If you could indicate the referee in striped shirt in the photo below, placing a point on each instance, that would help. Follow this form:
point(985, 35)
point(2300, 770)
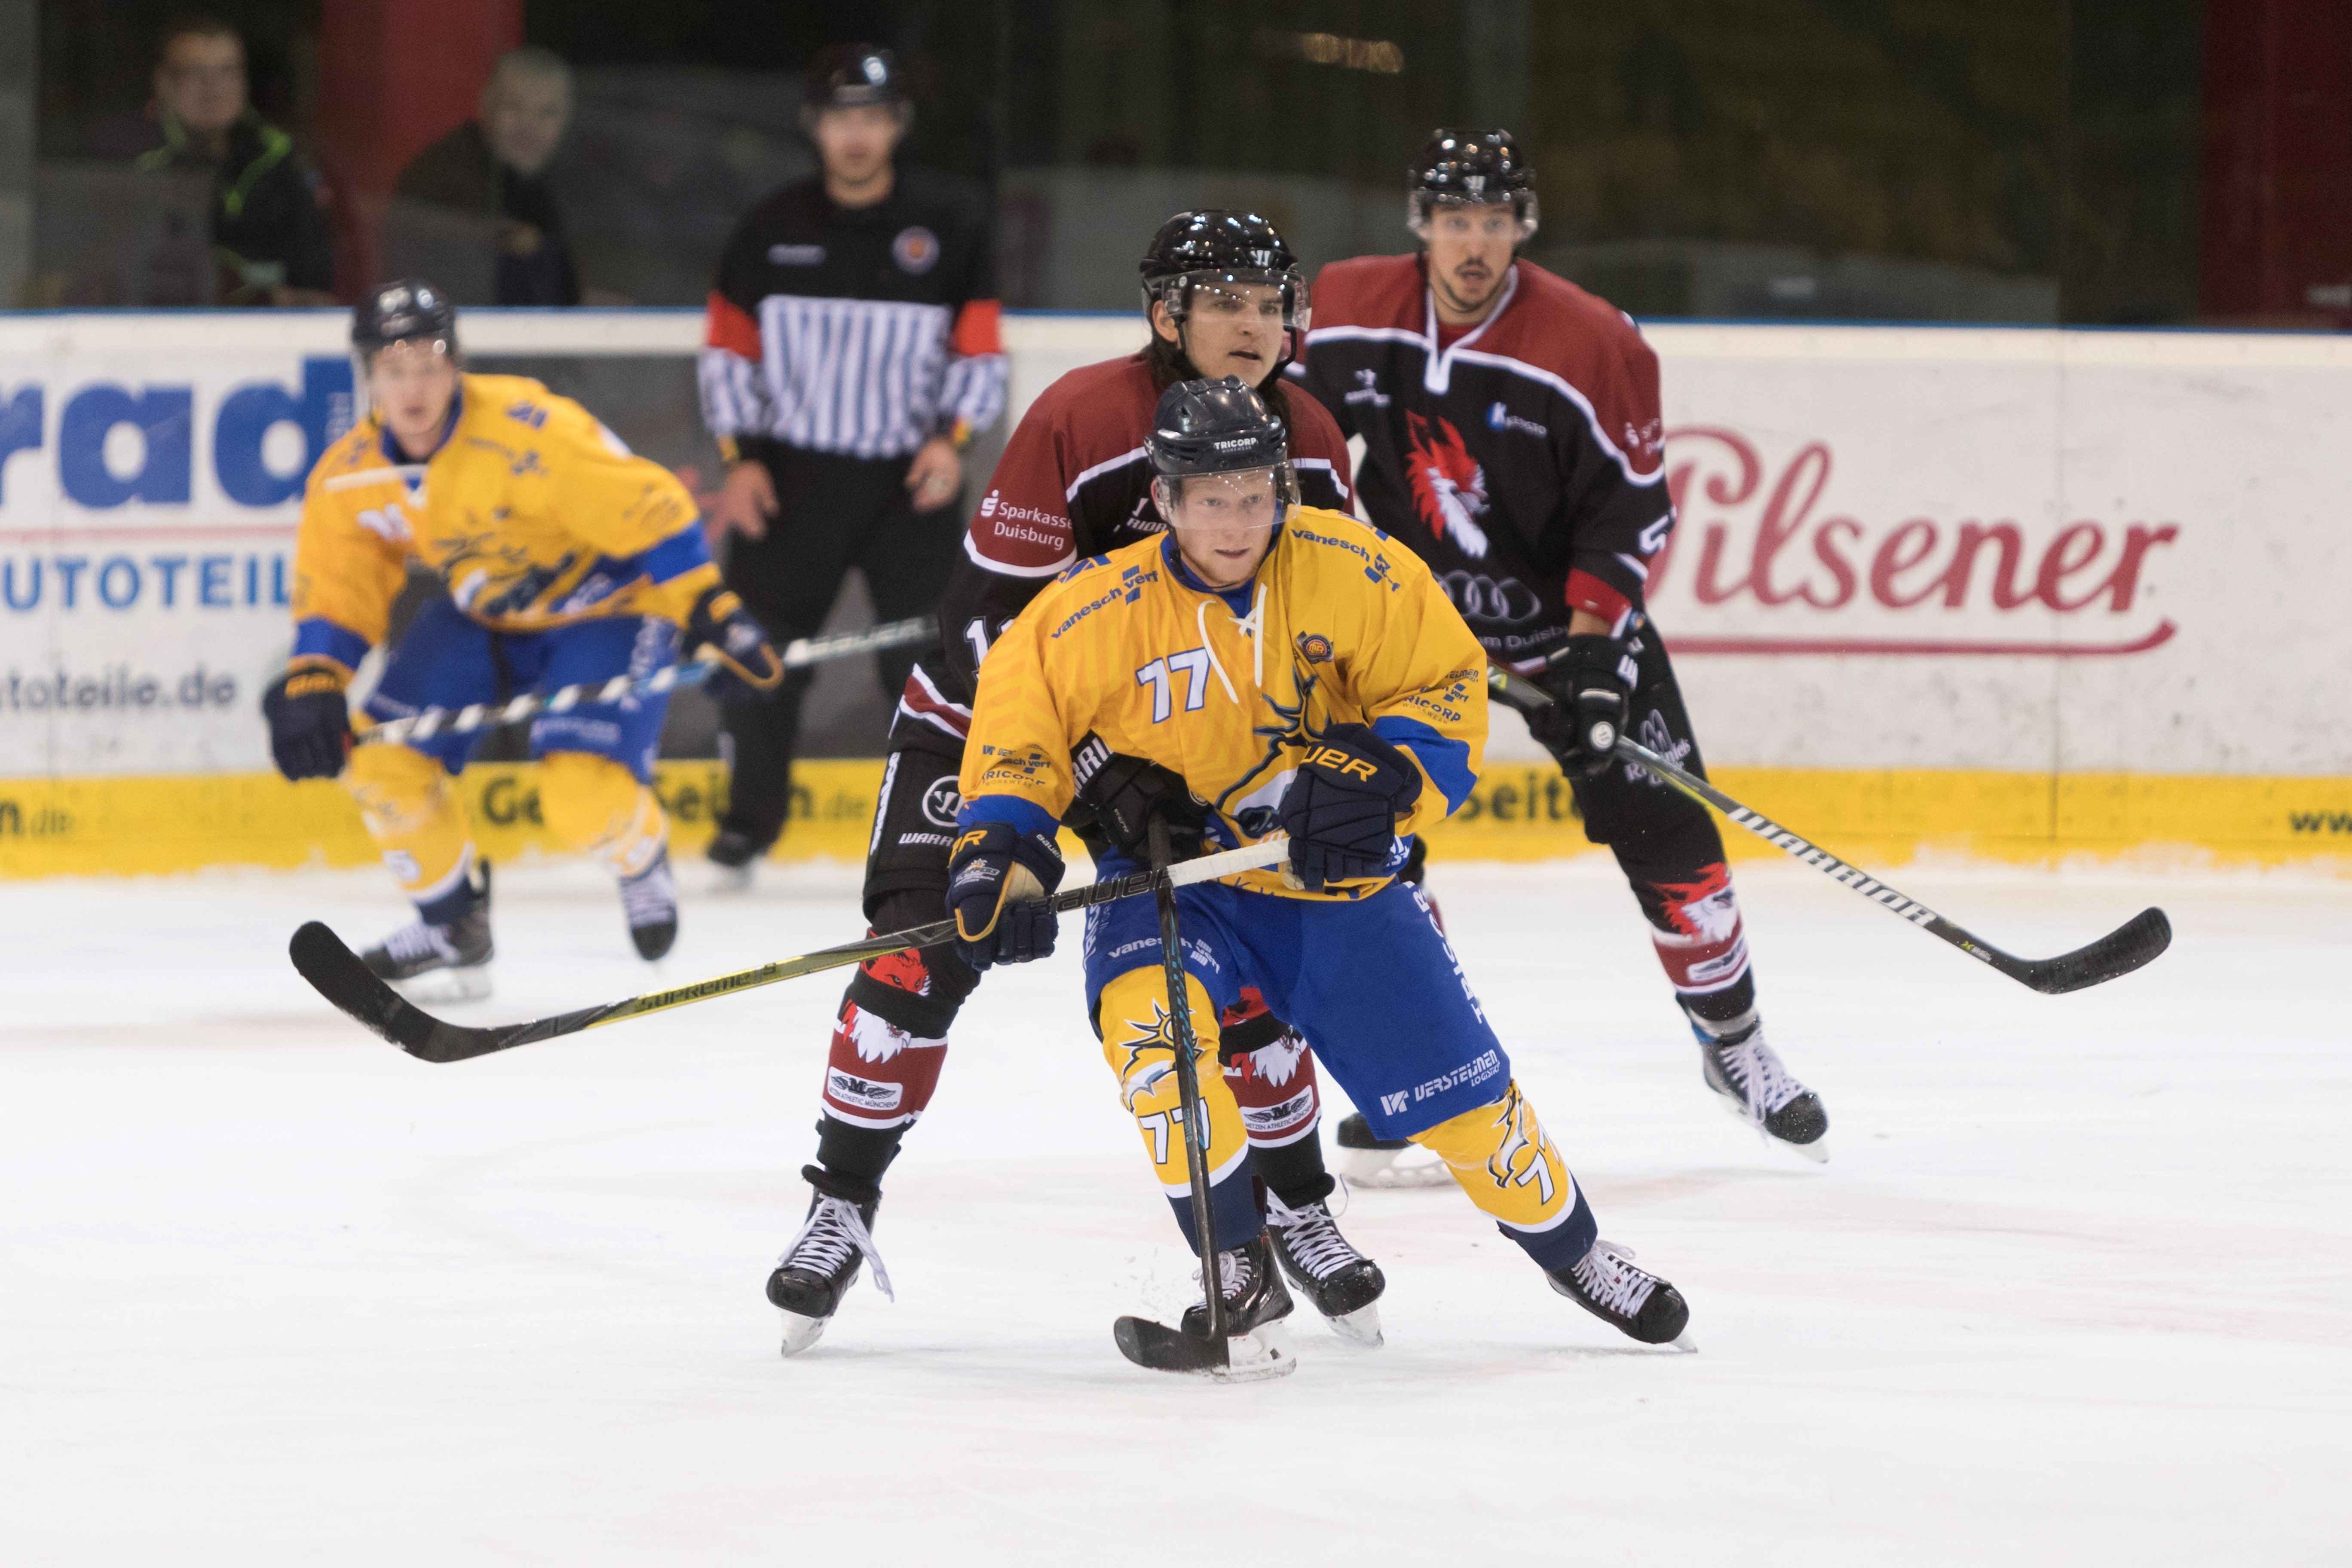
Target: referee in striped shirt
point(851, 355)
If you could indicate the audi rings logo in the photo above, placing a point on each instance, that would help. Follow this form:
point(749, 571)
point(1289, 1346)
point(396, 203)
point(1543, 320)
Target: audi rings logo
point(1509, 602)
point(940, 802)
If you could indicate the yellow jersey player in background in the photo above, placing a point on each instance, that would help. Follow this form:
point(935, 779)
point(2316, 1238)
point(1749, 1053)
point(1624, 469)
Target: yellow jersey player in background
point(1296, 671)
point(567, 558)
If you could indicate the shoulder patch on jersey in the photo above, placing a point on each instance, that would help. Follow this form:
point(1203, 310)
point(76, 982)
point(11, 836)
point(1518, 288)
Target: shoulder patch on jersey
point(1376, 563)
point(1128, 589)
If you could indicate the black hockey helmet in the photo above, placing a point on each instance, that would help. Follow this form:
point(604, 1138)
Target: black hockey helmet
point(1217, 427)
point(850, 74)
point(398, 312)
point(1213, 245)
point(1470, 167)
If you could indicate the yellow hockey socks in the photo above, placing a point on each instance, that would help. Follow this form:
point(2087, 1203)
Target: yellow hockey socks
point(1501, 1156)
point(595, 805)
point(1138, 1039)
point(411, 809)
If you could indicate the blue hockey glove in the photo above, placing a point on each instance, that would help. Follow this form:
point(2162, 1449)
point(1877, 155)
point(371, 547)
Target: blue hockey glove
point(748, 664)
point(310, 722)
point(1343, 803)
point(1592, 689)
point(998, 881)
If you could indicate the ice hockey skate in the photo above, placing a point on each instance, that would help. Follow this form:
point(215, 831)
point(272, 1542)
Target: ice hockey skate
point(1369, 1161)
point(732, 856)
point(1636, 1302)
point(1338, 1281)
point(1257, 1309)
point(1756, 1088)
point(435, 962)
point(817, 1270)
point(649, 900)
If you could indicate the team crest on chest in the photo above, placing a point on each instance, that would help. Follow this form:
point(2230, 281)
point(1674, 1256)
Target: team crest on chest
point(1449, 486)
point(916, 250)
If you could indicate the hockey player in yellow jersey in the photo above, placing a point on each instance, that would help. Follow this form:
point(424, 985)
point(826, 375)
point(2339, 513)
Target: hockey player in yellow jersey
point(1281, 670)
point(567, 560)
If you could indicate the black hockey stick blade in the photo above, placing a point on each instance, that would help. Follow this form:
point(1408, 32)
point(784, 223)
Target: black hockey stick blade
point(338, 973)
point(2138, 941)
point(1163, 1349)
point(2135, 942)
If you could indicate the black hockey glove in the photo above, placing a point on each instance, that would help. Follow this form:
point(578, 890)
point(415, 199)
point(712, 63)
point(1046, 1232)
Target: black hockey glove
point(310, 722)
point(998, 881)
point(1592, 689)
point(1126, 792)
point(747, 661)
point(1342, 805)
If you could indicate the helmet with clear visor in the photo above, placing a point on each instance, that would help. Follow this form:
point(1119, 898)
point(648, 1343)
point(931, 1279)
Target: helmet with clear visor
point(1470, 167)
point(409, 311)
point(1223, 254)
point(1219, 457)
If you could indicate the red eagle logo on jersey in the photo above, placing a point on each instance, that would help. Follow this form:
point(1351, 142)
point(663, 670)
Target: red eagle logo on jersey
point(1448, 485)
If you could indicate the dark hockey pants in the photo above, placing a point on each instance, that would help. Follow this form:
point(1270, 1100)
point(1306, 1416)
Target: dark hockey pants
point(1671, 851)
point(833, 513)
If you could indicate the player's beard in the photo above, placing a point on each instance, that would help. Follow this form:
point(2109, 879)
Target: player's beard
point(1457, 301)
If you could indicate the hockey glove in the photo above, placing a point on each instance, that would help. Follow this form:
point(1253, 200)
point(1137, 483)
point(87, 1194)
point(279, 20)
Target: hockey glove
point(1592, 689)
point(310, 722)
point(1342, 805)
point(1126, 792)
point(998, 881)
point(747, 661)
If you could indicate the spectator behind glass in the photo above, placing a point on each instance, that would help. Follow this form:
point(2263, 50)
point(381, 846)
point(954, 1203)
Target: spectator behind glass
point(494, 167)
point(268, 225)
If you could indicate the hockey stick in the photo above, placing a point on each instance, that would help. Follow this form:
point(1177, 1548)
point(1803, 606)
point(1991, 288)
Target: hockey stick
point(1141, 1340)
point(340, 975)
point(798, 653)
point(2131, 945)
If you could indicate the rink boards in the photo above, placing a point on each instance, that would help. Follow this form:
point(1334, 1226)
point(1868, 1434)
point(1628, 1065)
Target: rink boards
point(1519, 811)
point(2018, 593)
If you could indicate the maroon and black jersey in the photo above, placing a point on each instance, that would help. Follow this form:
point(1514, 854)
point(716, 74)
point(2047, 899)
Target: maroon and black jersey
point(1523, 460)
point(1074, 482)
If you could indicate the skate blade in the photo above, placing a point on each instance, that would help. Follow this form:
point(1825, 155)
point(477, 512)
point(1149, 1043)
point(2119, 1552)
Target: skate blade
point(1684, 1342)
point(801, 1333)
point(729, 878)
point(1360, 1328)
point(1383, 1167)
point(1817, 1151)
point(1259, 1356)
point(443, 988)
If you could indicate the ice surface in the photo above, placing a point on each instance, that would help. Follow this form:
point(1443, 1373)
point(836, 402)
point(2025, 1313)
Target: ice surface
point(2077, 1287)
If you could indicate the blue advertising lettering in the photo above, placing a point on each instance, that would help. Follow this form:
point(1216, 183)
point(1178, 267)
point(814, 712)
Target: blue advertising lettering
point(164, 417)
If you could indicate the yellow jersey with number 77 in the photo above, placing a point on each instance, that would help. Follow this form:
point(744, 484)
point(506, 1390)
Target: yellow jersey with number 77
point(1232, 689)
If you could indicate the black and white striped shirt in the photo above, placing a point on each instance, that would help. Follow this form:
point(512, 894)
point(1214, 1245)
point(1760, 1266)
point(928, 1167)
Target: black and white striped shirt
point(858, 331)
